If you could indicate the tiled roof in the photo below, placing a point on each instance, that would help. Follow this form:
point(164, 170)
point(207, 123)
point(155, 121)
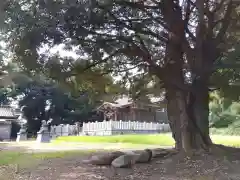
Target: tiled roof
point(17, 112)
point(123, 101)
point(6, 112)
point(126, 101)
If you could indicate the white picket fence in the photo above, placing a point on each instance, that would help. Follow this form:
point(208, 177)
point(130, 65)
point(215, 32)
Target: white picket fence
point(64, 130)
point(123, 127)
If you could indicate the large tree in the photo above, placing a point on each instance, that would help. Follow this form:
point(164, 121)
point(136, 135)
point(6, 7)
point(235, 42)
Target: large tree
point(179, 42)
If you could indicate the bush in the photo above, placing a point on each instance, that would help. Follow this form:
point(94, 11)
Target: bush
point(224, 120)
point(232, 131)
point(224, 115)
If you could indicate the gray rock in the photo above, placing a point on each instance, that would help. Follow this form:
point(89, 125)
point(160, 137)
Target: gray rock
point(160, 153)
point(157, 151)
point(125, 161)
point(105, 159)
point(130, 152)
point(145, 156)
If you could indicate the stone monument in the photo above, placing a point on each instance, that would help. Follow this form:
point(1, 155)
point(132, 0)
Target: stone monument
point(22, 134)
point(43, 135)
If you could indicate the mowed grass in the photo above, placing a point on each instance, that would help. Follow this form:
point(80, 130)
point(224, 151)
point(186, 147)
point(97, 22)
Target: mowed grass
point(153, 139)
point(29, 159)
point(126, 141)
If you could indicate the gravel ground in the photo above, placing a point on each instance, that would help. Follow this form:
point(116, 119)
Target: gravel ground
point(204, 167)
point(201, 167)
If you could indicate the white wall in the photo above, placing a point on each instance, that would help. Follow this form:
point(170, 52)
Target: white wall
point(5, 130)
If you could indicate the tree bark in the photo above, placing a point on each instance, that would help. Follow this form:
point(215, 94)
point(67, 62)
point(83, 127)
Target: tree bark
point(188, 118)
point(187, 110)
point(198, 107)
point(173, 117)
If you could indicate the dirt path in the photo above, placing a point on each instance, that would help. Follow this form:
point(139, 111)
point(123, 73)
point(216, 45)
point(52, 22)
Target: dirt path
point(201, 168)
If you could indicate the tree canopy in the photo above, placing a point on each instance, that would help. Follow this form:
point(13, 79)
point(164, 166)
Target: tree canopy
point(181, 43)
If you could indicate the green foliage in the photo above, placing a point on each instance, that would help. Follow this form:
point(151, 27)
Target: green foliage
point(108, 36)
point(224, 105)
point(4, 96)
point(224, 113)
point(227, 76)
point(231, 130)
point(44, 99)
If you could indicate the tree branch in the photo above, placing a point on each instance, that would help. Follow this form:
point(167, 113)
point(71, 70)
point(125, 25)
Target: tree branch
point(201, 24)
point(135, 4)
point(218, 6)
point(137, 30)
point(225, 22)
point(119, 71)
point(96, 63)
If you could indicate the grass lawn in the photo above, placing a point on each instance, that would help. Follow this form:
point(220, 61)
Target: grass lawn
point(125, 141)
point(153, 139)
point(29, 159)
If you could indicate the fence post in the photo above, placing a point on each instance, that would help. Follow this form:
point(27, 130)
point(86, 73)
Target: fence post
point(111, 127)
point(121, 127)
point(151, 126)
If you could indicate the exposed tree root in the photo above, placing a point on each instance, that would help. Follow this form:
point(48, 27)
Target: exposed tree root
point(128, 159)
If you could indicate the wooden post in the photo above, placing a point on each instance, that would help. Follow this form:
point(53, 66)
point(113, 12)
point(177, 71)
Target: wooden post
point(104, 116)
point(154, 116)
point(115, 115)
point(133, 115)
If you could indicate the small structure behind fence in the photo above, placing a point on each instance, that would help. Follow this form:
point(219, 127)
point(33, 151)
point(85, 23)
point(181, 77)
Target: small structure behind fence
point(123, 127)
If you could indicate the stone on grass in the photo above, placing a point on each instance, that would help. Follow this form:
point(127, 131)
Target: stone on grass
point(125, 161)
point(105, 159)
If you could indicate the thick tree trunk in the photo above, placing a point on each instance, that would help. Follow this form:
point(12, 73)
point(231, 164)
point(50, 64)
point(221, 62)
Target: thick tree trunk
point(178, 119)
point(188, 119)
point(199, 106)
point(185, 115)
point(173, 117)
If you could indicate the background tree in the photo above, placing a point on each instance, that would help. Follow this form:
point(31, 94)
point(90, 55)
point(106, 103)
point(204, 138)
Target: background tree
point(43, 99)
